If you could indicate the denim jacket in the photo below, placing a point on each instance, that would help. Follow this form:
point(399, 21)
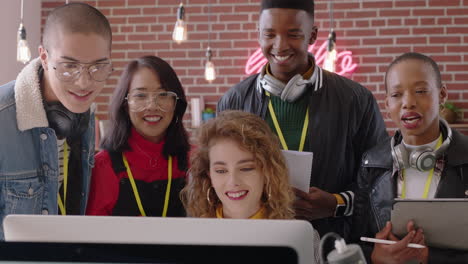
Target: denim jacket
point(29, 165)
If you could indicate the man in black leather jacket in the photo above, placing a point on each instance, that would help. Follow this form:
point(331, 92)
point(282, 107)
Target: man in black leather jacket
point(344, 118)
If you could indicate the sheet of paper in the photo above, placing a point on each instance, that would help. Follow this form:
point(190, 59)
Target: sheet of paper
point(300, 168)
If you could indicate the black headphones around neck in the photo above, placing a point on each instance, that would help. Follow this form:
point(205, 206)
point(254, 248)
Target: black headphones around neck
point(422, 159)
point(66, 123)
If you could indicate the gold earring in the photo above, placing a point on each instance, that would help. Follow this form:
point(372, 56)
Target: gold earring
point(208, 195)
point(268, 194)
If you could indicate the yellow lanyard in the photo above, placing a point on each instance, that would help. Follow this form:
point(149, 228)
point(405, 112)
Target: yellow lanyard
point(135, 190)
point(278, 128)
point(427, 186)
point(65, 181)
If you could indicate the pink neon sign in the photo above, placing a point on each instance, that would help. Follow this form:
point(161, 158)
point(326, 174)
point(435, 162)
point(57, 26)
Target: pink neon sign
point(344, 60)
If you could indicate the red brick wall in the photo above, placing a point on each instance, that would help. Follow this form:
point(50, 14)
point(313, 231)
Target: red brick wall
point(375, 31)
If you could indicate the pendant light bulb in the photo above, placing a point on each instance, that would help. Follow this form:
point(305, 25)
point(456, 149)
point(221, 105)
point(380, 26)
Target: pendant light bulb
point(330, 59)
point(180, 30)
point(23, 54)
point(210, 72)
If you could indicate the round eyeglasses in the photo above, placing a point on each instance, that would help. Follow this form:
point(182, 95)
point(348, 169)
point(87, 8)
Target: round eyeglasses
point(138, 101)
point(70, 71)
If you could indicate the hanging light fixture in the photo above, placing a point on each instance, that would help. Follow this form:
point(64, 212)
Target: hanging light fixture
point(180, 30)
point(23, 54)
point(330, 60)
point(210, 72)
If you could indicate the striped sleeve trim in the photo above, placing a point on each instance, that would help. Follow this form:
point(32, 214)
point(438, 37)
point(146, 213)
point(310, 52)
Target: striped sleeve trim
point(349, 199)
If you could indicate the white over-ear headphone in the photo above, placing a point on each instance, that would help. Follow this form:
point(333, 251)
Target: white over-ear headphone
point(289, 92)
point(422, 159)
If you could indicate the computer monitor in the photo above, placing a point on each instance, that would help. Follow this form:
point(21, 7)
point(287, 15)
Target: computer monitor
point(99, 253)
point(295, 234)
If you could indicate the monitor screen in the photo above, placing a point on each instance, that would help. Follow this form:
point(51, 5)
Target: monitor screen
point(295, 234)
point(92, 253)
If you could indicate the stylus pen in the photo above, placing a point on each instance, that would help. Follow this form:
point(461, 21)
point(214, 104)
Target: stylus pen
point(389, 242)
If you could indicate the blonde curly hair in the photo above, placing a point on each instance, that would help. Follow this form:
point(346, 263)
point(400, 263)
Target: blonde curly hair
point(253, 135)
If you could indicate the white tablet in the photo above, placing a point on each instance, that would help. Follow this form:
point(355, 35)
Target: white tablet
point(444, 221)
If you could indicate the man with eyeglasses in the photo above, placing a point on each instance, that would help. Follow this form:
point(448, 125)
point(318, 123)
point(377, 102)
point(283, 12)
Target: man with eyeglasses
point(47, 124)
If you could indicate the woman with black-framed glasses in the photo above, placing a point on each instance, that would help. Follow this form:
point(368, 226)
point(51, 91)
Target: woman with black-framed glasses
point(143, 165)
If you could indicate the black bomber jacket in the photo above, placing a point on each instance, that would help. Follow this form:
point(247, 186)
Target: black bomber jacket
point(344, 121)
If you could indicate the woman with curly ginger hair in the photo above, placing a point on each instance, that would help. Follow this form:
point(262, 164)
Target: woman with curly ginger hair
point(238, 171)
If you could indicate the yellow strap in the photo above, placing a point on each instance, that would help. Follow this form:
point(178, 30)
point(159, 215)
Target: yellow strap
point(427, 186)
point(304, 130)
point(278, 128)
point(135, 190)
point(403, 191)
point(62, 205)
point(168, 188)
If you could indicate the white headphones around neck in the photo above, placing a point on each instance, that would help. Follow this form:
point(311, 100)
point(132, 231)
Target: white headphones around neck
point(422, 159)
point(289, 92)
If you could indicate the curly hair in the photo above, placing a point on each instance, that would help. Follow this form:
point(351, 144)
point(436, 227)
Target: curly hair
point(253, 135)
